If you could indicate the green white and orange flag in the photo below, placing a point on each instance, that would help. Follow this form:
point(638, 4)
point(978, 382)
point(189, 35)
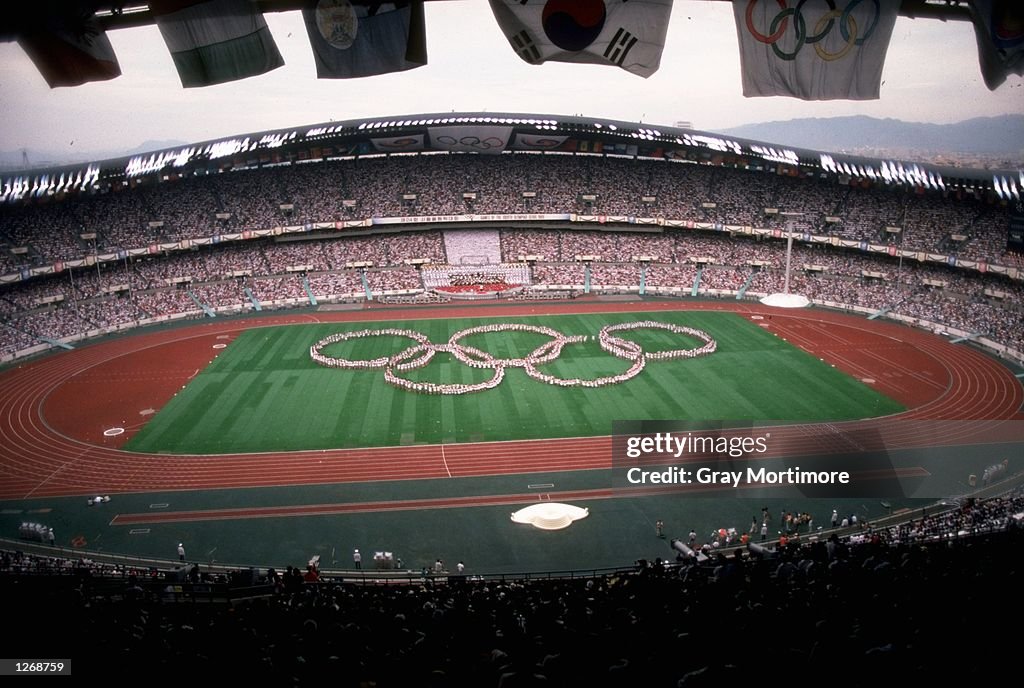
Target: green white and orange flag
point(216, 41)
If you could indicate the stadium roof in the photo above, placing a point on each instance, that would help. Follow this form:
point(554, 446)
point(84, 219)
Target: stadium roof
point(496, 133)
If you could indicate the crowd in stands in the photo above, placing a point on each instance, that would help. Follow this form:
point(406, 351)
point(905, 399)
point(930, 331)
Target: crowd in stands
point(472, 247)
point(559, 273)
point(850, 609)
point(52, 229)
point(615, 274)
point(113, 294)
point(132, 288)
point(394, 279)
point(345, 283)
point(270, 289)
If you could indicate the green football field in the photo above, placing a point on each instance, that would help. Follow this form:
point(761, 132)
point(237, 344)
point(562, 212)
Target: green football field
point(264, 393)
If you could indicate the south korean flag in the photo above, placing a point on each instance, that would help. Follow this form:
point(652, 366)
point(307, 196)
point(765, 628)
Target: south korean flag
point(625, 33)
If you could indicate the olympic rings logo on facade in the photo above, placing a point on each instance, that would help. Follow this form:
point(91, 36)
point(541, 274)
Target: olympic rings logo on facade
point(422, 352)
point(472, 142)
point(779, 25)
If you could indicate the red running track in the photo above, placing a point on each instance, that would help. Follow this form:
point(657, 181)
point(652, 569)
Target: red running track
point(53, 410)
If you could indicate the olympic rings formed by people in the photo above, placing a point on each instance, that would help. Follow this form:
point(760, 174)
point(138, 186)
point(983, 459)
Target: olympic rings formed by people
point(423, 351)
point(779, 24)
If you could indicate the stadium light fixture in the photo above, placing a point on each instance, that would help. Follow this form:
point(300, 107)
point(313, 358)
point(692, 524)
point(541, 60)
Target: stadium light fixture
point(785, 299)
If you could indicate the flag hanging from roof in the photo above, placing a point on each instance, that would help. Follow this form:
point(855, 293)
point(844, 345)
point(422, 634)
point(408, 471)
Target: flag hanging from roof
point(70, 51)
point(215, 41)
point(353, 41)
point(625, 33)
point(816, 49)
point(999, 30)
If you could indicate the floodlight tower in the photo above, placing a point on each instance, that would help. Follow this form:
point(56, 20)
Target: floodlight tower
point(790, 221)
point(785, 299)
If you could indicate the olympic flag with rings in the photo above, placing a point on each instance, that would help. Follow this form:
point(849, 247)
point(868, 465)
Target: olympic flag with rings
point(423, 350)
point(814, 49)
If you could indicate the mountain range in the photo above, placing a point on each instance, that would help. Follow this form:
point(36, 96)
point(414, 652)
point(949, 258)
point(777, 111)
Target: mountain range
point(983, 136)
point(1002, 135)
point(48, 158)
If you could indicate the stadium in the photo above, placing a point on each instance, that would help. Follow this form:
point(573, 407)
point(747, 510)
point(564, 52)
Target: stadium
point(425, 359)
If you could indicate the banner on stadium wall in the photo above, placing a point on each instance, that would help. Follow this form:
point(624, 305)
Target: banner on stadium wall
point(420, 219)
point(603, 219)
point(393, 144)
point(470, 138)
point(538, 141)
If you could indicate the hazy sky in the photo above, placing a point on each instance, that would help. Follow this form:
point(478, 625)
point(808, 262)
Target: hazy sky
point(931, 74)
